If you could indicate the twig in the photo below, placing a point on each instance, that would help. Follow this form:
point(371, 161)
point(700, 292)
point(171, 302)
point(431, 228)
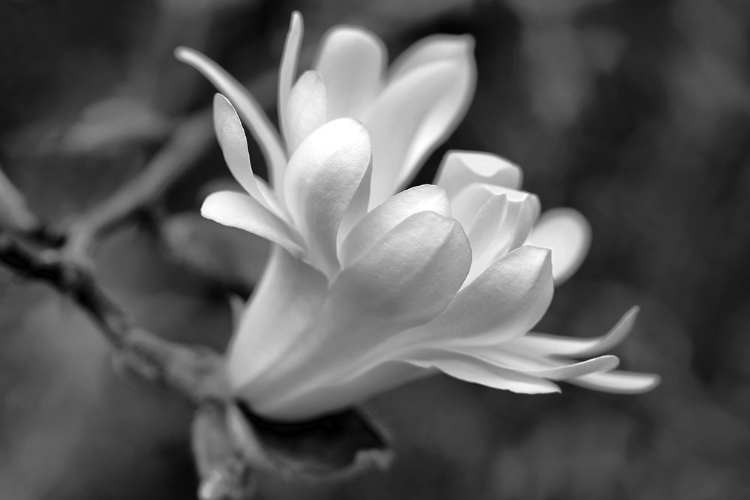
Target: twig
point(196, 373)
point(186, 145)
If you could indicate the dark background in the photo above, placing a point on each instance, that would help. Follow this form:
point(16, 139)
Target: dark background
point(636, 113)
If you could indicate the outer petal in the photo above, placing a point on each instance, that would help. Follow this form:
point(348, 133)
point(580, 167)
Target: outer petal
point(352, 62)
point(473, 370)
point(568, 234)
point(503, 303)
point(322, 178)
point(431, 49)
point(306, 109)
point(462, 168)
point(233, 144)
point(247, 107)
point(414, 113)
point(287, 71)
point(554, 345)
point(405, 280)
point(390, 214)
point(620, 382)
point(244, 212)
point(283, 305)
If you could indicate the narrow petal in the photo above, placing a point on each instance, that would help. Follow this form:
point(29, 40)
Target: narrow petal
point(568, 234)
point(233, 145)
point(580, 347)
point(357, 208)
point(306, 109)
point(322, 177)
point(289, 295)
point(352, 62)
point(287, 72)
point(503, 303)
point(507, 355)
point(405, 280)
point(431, 49)
point(462, 168)
point(248, 108)
point(619, 382)
point(473, 370)
point(244, 212)
point(413, 114)
point(390, 214)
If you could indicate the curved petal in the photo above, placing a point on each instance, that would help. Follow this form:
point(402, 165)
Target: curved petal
point(248, 108)
point(413, 114)
point(306, 109)
point(471, 369)
point(503, 303)
point(390, 214)
point(244, 212)
point(405, 280)
point(431, 49)
point(352, 62)
point(554, 345)
point(287, 70)
point(289, 295)
point(233, 144)
point(620, 382)
point(462, 168)
point(499, 226)
point(322, 177)
point(568, 234)
point(506, 355)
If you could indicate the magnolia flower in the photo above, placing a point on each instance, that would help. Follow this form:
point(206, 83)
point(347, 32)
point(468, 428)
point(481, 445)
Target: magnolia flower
point(369, 288)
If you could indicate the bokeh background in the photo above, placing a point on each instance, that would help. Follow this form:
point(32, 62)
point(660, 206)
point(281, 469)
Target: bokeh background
point(634, 112)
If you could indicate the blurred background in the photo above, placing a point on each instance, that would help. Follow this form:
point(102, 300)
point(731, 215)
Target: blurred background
point(634, 112)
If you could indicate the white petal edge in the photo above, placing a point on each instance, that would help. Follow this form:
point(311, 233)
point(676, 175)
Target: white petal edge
point(233, 144)
point(287, 71)
point(568, 234)
point(461, 168)
point(247, 107)
point(306, 109)
point(470, 369)
point(430, 49)
point(244, 212)
point(555, 345)
point(618, 382)
point(351, 62)
point(322, 178)
point(390, 214)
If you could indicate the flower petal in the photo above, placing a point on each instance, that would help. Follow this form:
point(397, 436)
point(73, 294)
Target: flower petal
point(471, 369)
point(405, 280)
point(499, 226)
point(507, 355)
point(413, 114)
point(352, 62)
point(462, 168)
point(287, 71)
point(289, 295)
point(306, 108)
point(390, 214)
point(322, 177)
point(248, 108)
point(244, 212)
point(431, 49)
point(233, 145)
point(503, 303)
point(568, 234)
point(619, 382)
point(555, 345)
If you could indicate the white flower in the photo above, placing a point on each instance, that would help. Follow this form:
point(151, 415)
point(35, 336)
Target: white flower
point(367, 289)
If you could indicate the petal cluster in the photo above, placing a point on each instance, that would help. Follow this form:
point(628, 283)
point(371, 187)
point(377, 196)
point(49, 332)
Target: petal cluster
point(369, 287)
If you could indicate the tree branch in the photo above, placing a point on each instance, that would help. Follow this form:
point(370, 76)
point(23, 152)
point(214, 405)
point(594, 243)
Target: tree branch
point(196, 373)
